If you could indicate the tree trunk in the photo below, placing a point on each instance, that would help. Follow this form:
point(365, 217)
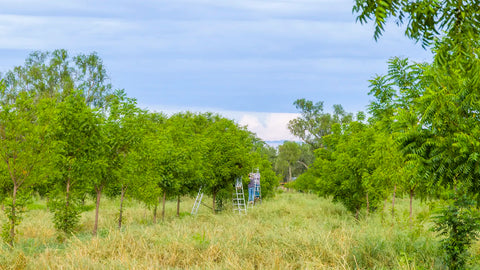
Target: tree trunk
point(357, 213)
point(122, 196)
point(97, 207)
point(163, 205)
point(13, 217)
point(368, 205)
point(67, 192)
point(289, 173)
point(393, 201)
point(411, 207)
point(214, 195)
point(178, 206)
point(383, 209)
point(155, 212)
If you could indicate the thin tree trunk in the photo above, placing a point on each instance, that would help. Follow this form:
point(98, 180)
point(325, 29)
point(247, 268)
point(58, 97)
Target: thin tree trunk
point(411, 207)
point(47, 201)
point(120, 215)
point(84, 197)
point(368, 205)
point(393, 201)
point(163, 205)
point(155, 213)
point(67, 192)
point(214, 195)
point(13, 217)
point(383, 209)
point(357, 213)
point(303, 163)
point(3, 207)
point(97, 207)
point(289, 173)
point(178, 206)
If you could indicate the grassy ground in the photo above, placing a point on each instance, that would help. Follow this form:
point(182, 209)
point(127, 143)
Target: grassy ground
point(290, 231)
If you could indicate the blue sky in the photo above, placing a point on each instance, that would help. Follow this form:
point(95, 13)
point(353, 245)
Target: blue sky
point(248, 60)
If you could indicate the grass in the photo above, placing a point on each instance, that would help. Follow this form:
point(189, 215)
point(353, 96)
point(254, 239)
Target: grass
point(290, 231)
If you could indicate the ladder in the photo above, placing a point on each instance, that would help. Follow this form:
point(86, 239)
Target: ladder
point(197, 203)
point(239, 198)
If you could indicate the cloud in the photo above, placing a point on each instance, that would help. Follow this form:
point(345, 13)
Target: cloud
point(238, 55)
point(268, 126)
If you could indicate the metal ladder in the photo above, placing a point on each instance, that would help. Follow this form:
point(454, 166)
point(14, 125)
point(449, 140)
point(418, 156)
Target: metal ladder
point(239, 198)
point(197, 203)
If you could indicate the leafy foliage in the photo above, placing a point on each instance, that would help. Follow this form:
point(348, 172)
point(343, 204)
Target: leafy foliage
point(314, 123)
point(425, 19)
point(459, 223)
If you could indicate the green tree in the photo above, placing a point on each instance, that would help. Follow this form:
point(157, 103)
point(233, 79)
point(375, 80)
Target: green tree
point(155, 149)
point(228, 155)
point(78, 136)
point(186, 162)
point(56, 74)
point(447, 132)
point(288, 156)
point(314, 123)
point(26, 143)
point(120, 132)
point(426, 20)
point(126, 128)
point(396, 114)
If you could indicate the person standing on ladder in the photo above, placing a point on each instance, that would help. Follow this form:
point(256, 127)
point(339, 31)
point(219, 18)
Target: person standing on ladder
point(251, 188)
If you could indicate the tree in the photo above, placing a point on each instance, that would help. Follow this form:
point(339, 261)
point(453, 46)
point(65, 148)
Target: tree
point(186, 162)
point(313, 123)
point(426, 19)
point(120, 133)
point(26, 141)
point(293, 160)
point(395, 111)
point(78, 136)
point(448, 124)
point(56, 74)
point(155, 147)
point(228, 148)
point(288, 156)
point(126, 128)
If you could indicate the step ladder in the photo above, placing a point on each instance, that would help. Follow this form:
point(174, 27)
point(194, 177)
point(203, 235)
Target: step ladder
point(197, 203)
point(257, 192)
point(239, 198)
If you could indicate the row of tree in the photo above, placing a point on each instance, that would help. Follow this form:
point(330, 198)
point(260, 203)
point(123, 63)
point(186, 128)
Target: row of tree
point(423, 134)
point(65, 135)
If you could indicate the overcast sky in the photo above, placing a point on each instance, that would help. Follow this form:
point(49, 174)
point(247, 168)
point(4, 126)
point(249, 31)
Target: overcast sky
point(246, 59)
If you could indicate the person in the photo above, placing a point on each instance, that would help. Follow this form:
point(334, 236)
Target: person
point(256, 183)
point(251, 187)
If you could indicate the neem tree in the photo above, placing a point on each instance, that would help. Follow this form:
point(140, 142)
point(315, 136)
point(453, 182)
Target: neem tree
point(68, 81)
point(228, 149)
point(79, 138)
point(186, 162)
point(448, 109)
point(25, 146)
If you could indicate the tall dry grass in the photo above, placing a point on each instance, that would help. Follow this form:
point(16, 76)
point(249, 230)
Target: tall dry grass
point(290, 231)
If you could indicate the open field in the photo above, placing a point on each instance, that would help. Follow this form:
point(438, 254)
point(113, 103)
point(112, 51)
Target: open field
point(290, 231)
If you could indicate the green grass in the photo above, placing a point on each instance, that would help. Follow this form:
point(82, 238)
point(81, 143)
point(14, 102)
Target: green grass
point(290, 231)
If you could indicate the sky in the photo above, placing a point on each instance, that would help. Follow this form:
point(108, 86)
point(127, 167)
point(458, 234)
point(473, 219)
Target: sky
point(246, 59)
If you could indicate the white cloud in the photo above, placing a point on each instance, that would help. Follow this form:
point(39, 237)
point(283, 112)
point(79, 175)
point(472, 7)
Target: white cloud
point(268, 126)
